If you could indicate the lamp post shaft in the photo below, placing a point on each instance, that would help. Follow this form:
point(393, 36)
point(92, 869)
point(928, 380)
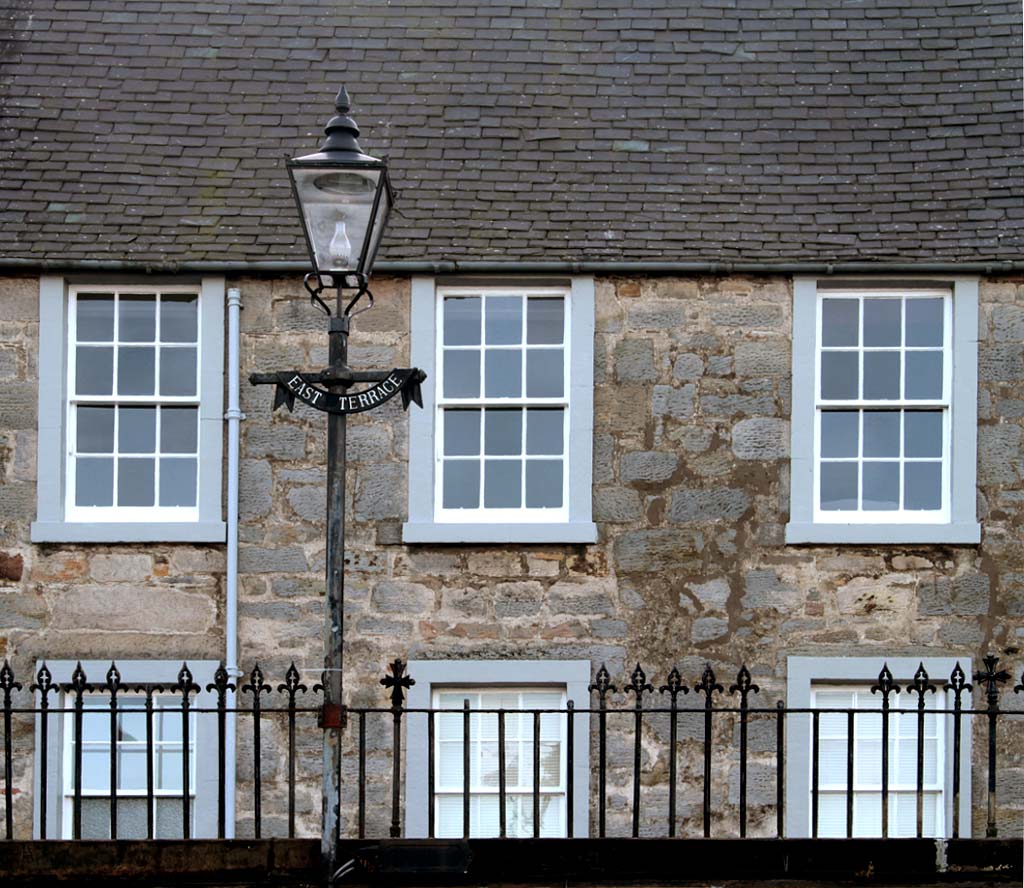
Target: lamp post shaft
point(334, 622)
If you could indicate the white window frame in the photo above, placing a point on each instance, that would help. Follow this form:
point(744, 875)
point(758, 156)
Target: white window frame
point(956, 521)
point(57, 518)
point(428, 521)
point(572, 677)
point(59, 753)
point(804, 673)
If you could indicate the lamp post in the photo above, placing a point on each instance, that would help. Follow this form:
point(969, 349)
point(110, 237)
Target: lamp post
point(343, 197)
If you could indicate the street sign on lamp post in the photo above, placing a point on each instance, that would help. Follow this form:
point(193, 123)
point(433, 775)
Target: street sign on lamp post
point(344, 198)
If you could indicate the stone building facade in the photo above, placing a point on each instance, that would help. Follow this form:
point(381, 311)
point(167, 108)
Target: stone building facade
point(692, 402)
point(695, 179)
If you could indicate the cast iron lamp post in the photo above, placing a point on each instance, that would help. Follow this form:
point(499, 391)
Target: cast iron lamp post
point(343, 197)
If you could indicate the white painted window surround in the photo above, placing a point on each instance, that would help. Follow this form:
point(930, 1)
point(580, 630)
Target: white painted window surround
point(810, 682)
point(955, 519)
point(166, 724)
point(57, 519)
point(569, 678)
point(428, 521)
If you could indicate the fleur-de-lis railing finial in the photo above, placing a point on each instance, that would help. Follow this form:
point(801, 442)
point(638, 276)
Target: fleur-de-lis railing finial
point(397, 682)
point(221, 682)
point(744, 685)
point(256, 684)
point(638, 685)
point(602, 684)
point(7, 682)
point(920, 685)
point(958, 683)
point(186, 684)
point(886, 685)
point(990, 679)
point(292, 684)
point(707, 685)
point(674, 686)
point(113, 679)
point(43, 683)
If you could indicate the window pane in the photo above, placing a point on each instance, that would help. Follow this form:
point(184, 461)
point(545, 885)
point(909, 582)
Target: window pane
point(135, 371)
point(461, 484)
point(502, 373)
point(924, 375)
point(461, 432)
point(503, 320)
point(503, 483)
point(503, 432)
point(168, 818)
point(881, 433)
point(544, 373)
point(882, 322)
point(94, 318)
point(544, 431)
point(95, 818)
point(840, 322)
point(96, 769)
point(544, 484)
point(839, 375)
point(922, 485)
point(839, 433)
point(169, 764)
point(94, 482)
point(179, 318)
point(922, 433)
point(131, 769)
point(881, 376)
point(881, 486)
point(462, 320)
point(95, 433)
point(177, 371)
point(838, 486)
point(462, 374)
point(178, 482)
point(136, 319)
point(94, 371)
point(135, 482)
point(179, 429)
point(136, 430)
point(545, 321)
point(925, 321)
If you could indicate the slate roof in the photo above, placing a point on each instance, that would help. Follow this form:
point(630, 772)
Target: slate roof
point(752, 130)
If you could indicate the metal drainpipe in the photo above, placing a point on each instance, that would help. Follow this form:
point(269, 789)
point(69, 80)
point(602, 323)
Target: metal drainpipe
point(234, 416)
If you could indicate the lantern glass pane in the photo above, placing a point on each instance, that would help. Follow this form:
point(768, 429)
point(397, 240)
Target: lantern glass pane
point(337, 212)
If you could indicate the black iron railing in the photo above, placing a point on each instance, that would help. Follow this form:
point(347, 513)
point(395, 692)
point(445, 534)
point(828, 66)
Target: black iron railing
point(294, 708)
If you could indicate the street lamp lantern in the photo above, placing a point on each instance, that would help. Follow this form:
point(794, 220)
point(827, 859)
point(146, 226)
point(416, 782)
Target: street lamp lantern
point(344, 198)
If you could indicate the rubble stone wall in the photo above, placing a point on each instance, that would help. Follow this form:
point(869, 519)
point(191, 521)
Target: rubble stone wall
point(691, 484)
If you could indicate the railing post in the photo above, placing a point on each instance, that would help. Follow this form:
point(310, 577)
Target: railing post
point(744, 686)
point(957, 684)
point(397, 682)
point(186, 686)
point(921, 686)
point(602, 684)
point(221, 684)
point(44, 685)
point(674, 687)
point(79, 685)
point(256, 687)
point(885, 687)
point(8, 685)
point(991, 680)
point(708, 687)
point(291, 687)
point(638, 686)
point(113, 685)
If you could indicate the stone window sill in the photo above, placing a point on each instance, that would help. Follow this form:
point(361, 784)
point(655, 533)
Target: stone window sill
point(424, 532)
point(116, 532)
point(883, 534)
